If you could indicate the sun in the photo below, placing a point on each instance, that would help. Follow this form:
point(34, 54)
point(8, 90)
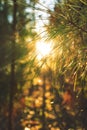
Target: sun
point(43, 49)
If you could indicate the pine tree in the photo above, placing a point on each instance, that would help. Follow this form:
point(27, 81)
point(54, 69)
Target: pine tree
point(68, 29)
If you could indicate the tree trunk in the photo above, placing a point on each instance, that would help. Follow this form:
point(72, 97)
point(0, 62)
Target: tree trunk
point(12, 79)
point(44, 124)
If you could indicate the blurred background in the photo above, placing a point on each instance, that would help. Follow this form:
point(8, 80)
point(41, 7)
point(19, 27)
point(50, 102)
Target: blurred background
point(43, 65)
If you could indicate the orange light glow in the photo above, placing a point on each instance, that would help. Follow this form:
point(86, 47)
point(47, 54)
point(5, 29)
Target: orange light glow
point(26, 128)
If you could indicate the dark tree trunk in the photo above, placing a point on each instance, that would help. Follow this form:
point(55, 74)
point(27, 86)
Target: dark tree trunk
point(44, 124)
point(12, 79)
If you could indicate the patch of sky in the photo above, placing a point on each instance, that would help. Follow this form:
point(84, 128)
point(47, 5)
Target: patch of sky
point(10, 18)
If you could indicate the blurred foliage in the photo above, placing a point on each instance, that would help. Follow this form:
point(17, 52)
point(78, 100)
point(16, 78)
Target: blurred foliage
point(14, 51)
point(49, 94)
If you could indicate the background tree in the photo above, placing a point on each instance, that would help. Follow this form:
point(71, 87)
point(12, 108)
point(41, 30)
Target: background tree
point(15, 48)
